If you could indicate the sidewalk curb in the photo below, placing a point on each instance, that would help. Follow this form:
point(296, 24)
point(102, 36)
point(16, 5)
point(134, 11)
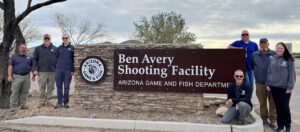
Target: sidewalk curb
point(138, 124)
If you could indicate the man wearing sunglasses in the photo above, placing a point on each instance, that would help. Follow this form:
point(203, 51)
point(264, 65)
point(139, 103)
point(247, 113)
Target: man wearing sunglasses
point(260, 63)
point(238, 99)
point(250, 47)
point(64, 71)
point(44, 60)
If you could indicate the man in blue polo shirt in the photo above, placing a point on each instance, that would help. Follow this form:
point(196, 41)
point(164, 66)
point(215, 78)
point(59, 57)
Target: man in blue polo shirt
point(18, 73)
point(250, 47)
point(64, 71)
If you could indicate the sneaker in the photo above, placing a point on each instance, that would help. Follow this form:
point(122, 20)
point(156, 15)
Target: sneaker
point(23, 107)
point(58, 106)
point(66, 106)
point(288, 129)
point(279, 129)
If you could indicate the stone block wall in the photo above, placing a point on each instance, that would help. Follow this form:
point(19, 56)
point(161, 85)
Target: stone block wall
point(101, 95)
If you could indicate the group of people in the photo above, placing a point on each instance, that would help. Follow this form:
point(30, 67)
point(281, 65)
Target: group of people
point(49, 63)
point(275, 76)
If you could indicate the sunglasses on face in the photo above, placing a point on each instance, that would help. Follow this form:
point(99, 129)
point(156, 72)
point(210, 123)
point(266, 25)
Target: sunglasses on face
point(65, 38)
point(46, 38)
point(237, 76)
point(245, 34)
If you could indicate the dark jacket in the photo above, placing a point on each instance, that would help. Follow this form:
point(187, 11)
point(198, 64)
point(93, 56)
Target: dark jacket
point(65, 57)
point(245, 94)
point(44, 59)
point(260, 64)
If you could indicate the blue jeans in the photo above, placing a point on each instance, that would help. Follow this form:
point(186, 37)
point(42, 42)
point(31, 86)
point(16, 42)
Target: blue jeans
point(250, 79)
point(241, 113)
point(63, 78)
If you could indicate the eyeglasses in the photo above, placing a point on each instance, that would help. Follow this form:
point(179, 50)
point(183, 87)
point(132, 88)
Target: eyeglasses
point(237, 76)
point(46, 38)
point(65, 38)
point(245, 34)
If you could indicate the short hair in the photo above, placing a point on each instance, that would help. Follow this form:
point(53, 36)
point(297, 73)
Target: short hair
point(238, 70)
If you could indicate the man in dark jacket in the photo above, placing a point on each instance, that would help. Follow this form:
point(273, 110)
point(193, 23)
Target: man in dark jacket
point(238, 99)
point(64, 71)
point(44, 61)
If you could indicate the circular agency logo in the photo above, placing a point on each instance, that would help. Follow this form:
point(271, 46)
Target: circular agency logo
point(92, 69)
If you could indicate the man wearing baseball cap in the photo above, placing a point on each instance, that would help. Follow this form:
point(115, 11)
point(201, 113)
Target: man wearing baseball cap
point(260, 63)
point(44, 61)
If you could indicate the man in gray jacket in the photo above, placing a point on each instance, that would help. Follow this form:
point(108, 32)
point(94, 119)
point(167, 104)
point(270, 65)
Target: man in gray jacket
point(44, 61)
point(260, 63)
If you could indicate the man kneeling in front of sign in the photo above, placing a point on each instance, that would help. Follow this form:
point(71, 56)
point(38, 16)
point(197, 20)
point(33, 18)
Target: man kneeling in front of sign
point(238, 99)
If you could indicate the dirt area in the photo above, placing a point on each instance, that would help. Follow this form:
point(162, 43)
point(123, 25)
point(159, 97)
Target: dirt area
point(208, 116)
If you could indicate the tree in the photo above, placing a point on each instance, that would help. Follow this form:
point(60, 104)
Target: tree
point(80, 30)
point(163, 28)
point(27, 31)
point(12, 31)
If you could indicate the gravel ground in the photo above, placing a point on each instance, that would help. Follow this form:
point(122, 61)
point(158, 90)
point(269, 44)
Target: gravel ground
point(208, 116)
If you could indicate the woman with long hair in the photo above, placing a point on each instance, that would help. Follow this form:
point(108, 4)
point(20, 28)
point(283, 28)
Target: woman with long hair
point(281, 80)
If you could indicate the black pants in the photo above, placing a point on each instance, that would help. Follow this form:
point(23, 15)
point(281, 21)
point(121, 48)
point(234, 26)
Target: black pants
point(282, 101)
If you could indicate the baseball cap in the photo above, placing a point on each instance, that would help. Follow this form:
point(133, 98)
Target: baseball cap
point(263, 40)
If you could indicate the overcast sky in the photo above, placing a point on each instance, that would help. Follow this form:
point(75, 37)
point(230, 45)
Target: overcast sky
point(216, 23)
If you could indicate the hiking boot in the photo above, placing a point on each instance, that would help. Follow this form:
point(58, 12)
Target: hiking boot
point(265, 122)
point(13, 110)
point(23, 107)
point(273, 124)
point(66, 106)
point(58, 106)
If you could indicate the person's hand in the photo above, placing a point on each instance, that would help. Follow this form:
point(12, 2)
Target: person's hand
point(268, 88)
point(229, 103)
point(35, 73)
point(288, 91)
point(10, 79)
point(72, 73)
point(33, 78)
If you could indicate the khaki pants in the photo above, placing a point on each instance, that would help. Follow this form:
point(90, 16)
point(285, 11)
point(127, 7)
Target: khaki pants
point(20, 89)
point(46, 84)
point(263, 95)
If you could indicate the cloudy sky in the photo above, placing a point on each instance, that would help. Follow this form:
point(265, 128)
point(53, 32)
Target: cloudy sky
point(216, 23)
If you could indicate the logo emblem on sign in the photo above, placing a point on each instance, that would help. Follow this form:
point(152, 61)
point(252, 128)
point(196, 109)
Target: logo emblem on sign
point(92, 69)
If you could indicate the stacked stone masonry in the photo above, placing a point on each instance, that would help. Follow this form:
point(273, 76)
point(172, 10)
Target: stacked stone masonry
point(101, 95)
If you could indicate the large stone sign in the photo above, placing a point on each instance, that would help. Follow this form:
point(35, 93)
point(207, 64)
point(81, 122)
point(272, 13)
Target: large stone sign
point(96, 92)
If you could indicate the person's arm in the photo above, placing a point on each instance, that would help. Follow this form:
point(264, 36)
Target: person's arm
point(73, 69)
point(35, 61)
point(291, 75)
point(10, 69)
point(232, 47)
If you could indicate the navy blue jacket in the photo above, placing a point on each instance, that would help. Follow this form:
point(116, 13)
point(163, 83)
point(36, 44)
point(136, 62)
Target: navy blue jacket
point(44, 59)
point(245, 94)
point(65, 57)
